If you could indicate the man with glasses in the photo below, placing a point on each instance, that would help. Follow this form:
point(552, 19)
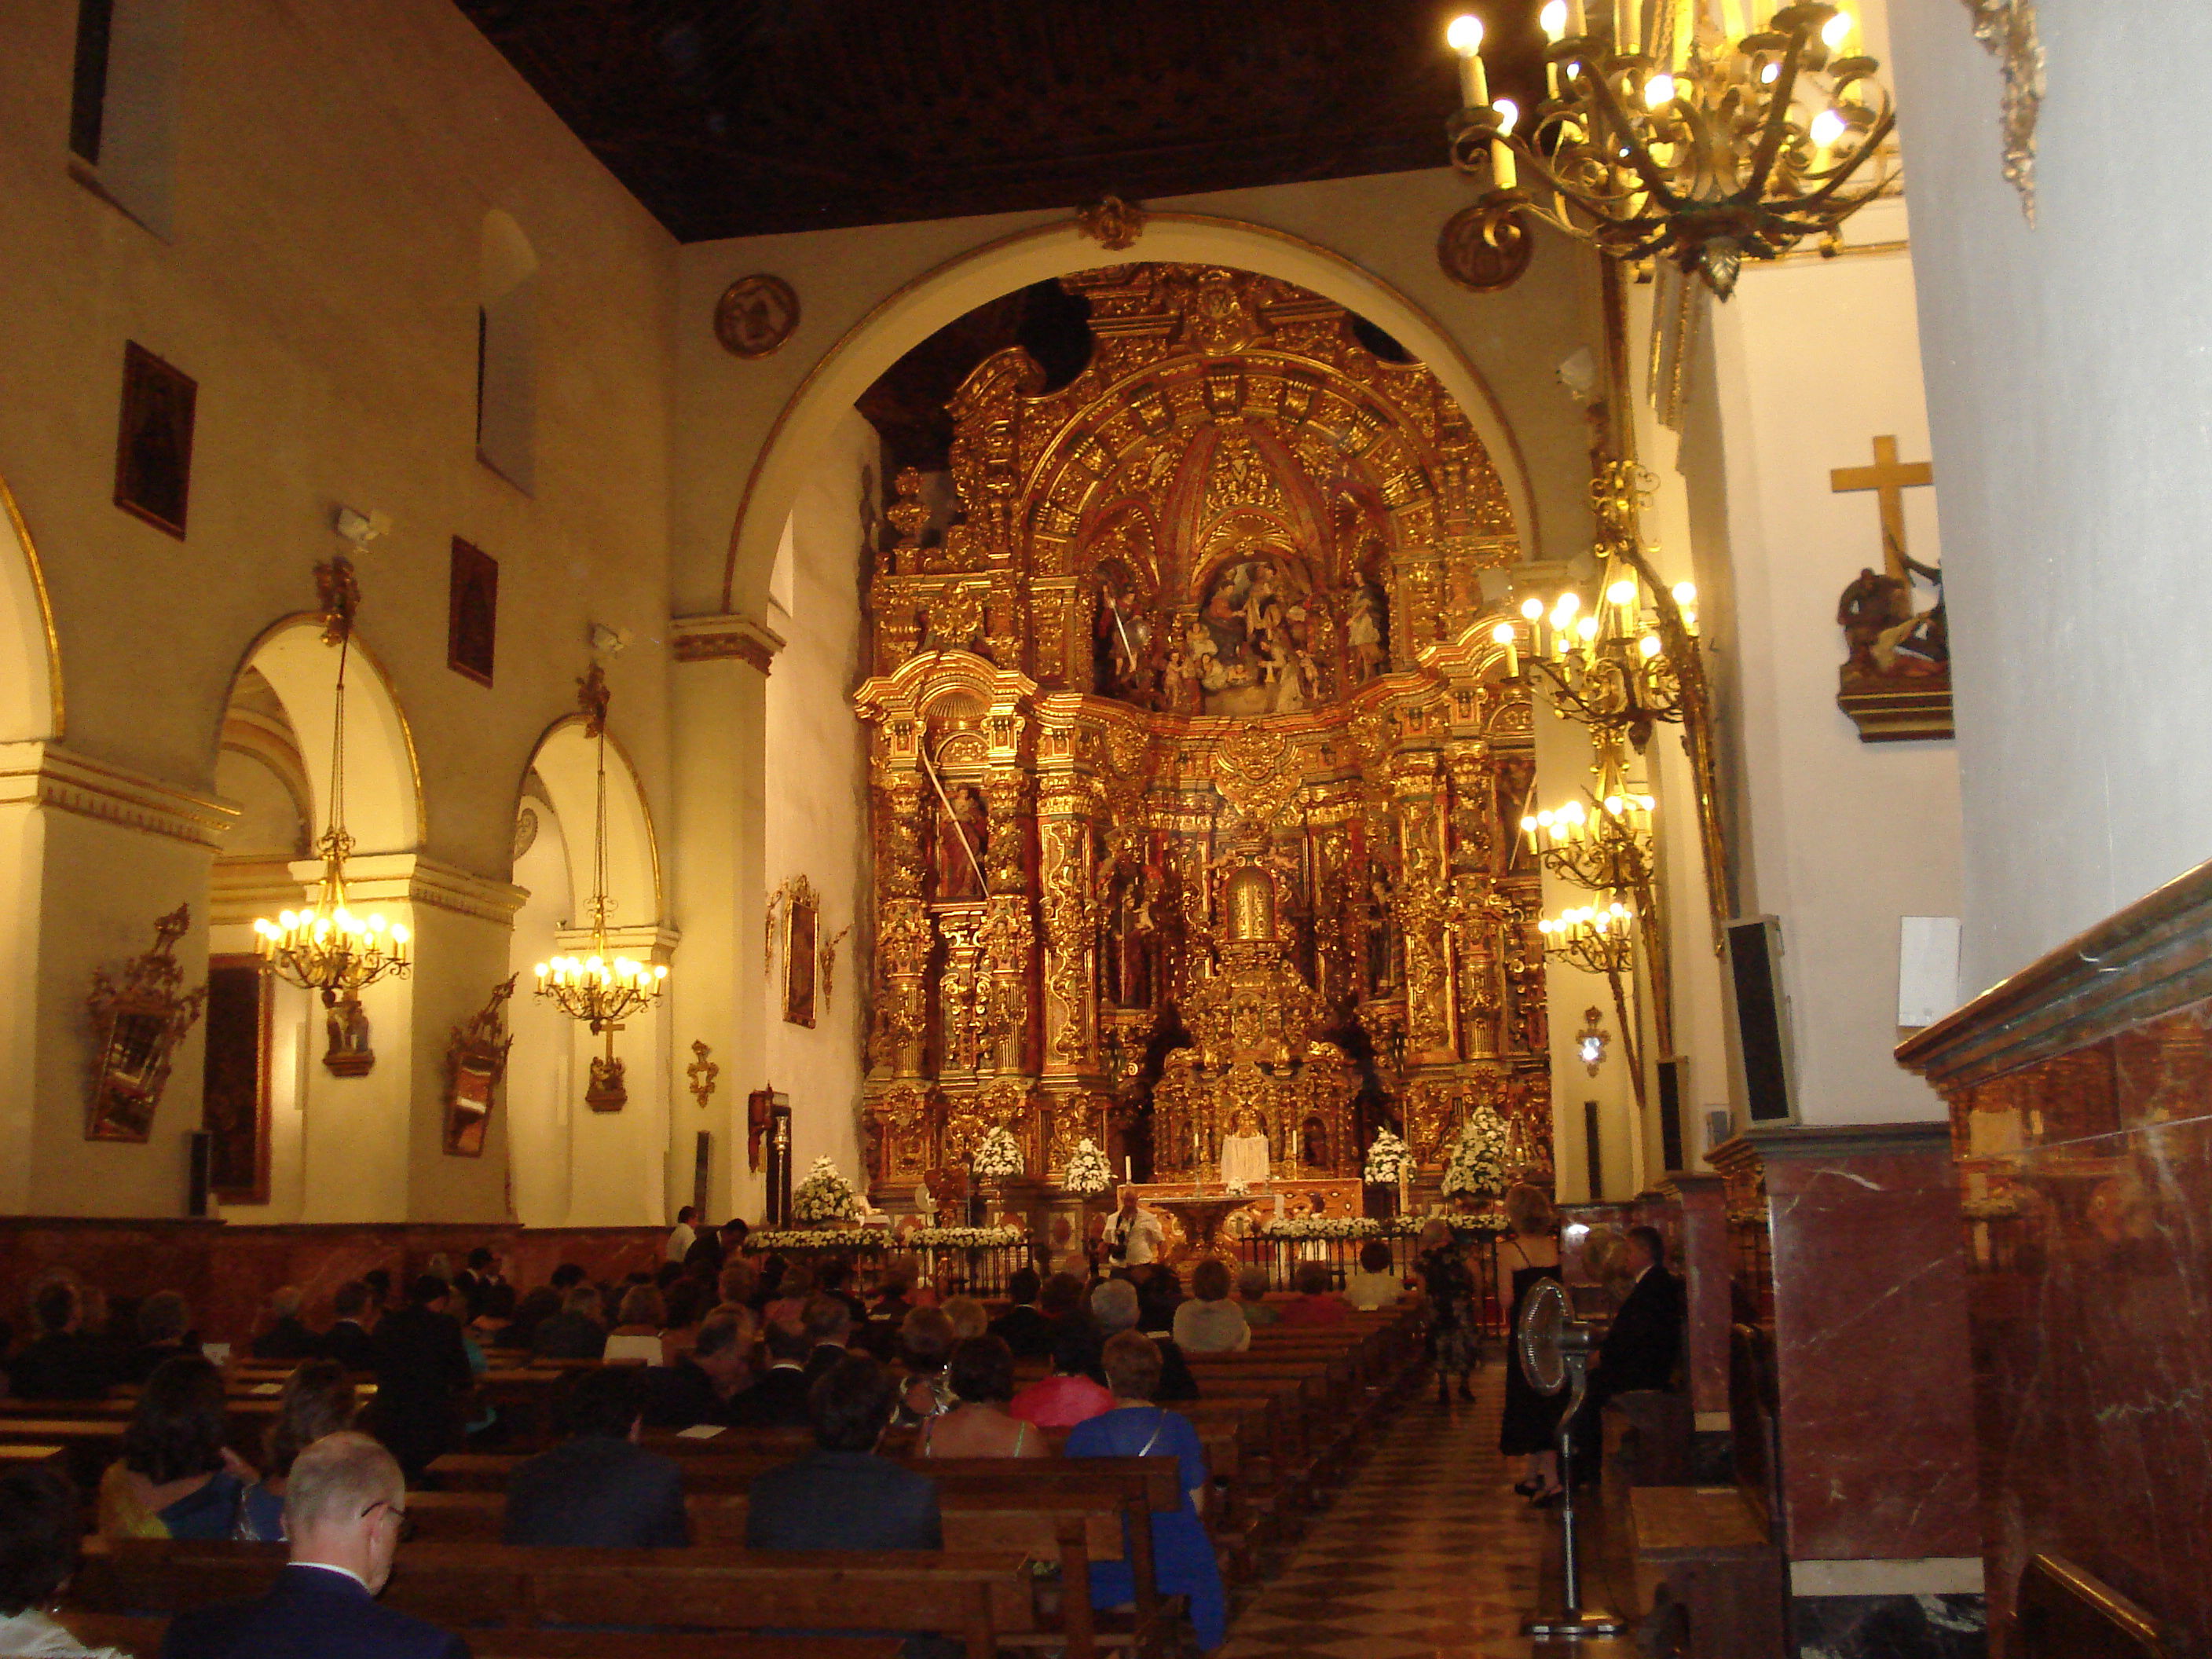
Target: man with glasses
point(345, 1507)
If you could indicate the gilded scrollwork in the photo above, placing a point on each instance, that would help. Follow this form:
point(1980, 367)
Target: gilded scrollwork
point(1190, 654)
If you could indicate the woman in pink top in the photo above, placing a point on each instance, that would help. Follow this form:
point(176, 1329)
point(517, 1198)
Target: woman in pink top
point(1067, 1396)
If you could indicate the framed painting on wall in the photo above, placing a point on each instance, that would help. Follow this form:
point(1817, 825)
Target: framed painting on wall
point(154, 443)
point(472, 612)
point(235, 1100)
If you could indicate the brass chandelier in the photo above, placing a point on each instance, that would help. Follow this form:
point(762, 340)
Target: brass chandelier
point(327, 947)
point(600, 989)
point(1702, 139)
point(1627, 661)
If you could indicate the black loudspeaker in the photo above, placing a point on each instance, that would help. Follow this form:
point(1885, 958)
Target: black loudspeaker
point(702, 1166)
point(1672, 1073)
point(199, 1154)
point(1762, 1023)
point(1596, 1146)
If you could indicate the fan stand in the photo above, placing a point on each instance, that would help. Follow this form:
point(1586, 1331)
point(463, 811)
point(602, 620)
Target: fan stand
point(1573, 1620)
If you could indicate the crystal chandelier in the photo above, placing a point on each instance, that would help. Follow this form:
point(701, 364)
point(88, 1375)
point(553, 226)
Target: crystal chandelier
point(327, 947)
point(601, 989)
point(1706, 141)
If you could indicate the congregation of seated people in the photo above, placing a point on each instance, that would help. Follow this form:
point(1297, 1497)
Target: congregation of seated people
point(715, 1340)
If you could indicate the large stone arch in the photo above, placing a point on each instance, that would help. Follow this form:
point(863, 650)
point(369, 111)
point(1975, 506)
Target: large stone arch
point(384, 810)
point(909, 316)
point(566, 762)
point(30, 659)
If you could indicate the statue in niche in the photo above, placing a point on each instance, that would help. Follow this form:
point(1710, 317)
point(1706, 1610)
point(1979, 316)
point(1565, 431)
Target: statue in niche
point(1382, 932)
point(1244, 1153)
point(1367, 627)
point(1313, 1145)
point(962, 838)
point(1122, 659)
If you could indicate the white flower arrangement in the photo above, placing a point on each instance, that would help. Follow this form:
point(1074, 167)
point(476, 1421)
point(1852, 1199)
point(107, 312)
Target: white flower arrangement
point(1088, 1173)
point(1477, 1166)
point(815, 1238)
point(1321, 1226)
point(1000, 1157)
point(965, 1238)
point(824, 1195)
point(1389, 1160)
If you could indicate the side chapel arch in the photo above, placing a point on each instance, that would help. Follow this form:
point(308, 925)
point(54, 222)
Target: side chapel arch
point(30, 658)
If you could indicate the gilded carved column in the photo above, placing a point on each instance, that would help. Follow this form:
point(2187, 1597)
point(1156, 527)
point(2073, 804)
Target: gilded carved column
point(1067, 886)
point(902, 933)
point(1423, 900)
point(1007, 938)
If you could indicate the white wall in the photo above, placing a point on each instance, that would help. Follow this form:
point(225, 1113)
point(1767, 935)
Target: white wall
point(818, 817)
point(317, 275)
point(2069, 409)
point(1812, 359)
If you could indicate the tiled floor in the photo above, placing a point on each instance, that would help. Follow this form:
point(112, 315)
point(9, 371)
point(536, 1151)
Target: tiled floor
point(1427, 1551)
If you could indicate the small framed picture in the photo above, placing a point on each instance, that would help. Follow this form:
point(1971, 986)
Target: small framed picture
point(472, 612)
point(154, 445)
point(799, 917)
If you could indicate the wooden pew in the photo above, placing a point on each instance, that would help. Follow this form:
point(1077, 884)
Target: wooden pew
point(969, 1595)
point(143, 1636)
point(1077, 1521)
point(1024, 1499)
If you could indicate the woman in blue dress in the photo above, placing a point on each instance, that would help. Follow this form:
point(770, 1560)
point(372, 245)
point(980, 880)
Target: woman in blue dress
point(1183, 1555)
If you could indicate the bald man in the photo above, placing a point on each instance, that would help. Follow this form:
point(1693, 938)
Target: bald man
point(344, 1504)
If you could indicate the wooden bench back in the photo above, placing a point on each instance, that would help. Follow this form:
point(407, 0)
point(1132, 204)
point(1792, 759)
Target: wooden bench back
point(2064, 1613)
point(964, 1593)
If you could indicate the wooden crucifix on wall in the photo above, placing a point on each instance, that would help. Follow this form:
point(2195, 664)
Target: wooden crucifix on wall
point(1895, 683)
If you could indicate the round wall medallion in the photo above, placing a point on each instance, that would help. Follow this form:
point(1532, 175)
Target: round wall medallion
point(755, 315)
point(1484, 247)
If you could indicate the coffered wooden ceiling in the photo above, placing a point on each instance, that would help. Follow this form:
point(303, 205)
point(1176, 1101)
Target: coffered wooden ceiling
point(736, 118)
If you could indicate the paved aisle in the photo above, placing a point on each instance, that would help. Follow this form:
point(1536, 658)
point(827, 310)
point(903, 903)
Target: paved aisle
point(1428, 1552)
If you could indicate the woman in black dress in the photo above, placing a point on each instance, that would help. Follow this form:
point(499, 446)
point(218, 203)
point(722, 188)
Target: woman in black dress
point(1449, 1284)
point(1528, 1254)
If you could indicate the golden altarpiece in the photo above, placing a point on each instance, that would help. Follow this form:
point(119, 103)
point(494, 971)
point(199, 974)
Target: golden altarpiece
point(1192, 759)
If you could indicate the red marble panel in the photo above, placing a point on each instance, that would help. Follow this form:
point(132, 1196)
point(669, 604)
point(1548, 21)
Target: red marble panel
point(1876, 1425)
point(2089, 1287)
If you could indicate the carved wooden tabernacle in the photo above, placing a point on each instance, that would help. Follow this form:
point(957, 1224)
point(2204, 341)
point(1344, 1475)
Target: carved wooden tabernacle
point(1194, 762)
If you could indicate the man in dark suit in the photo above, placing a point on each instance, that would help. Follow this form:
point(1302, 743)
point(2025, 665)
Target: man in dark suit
point(344, 1504)
point(827, 1324)
point(778, 1400)
point(422, 1372)
point(1646, 1340)
point(1023, 1328)
point(61, 1363)
point(598, 1487)
point(708, 1384)
point(842, 1496)
point(574, 1333)
point(288, 1336)
point(348, 1340)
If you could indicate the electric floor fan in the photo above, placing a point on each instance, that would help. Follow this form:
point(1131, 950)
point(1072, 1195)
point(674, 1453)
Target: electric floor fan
point(1553, 1349)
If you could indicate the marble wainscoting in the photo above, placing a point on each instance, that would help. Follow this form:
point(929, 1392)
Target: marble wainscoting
point(1875, 1493)
point(2081, 1091)
point(227, 1271)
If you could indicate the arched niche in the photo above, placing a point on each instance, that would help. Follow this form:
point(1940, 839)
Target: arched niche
point(565, 764)
point(916, 311)
point(30, 661)
point(383, 801)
